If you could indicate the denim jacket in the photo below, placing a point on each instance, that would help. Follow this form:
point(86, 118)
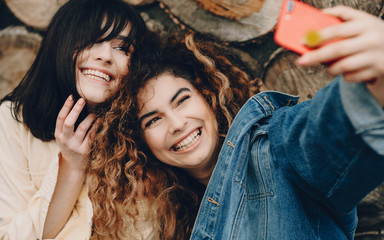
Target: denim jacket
point(295, 171)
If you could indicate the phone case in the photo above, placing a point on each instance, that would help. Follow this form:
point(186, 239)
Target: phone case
point(298, 19)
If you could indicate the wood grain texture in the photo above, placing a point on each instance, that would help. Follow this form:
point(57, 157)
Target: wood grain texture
point(282, 74)
point(194, 17)
point(232, 9)
point(35, 13)
point(18, 49)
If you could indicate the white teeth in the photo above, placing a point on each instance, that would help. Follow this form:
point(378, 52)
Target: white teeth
point(97, 75)
point(188, 141)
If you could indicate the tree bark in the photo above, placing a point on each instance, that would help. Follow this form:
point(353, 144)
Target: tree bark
point(18, 49)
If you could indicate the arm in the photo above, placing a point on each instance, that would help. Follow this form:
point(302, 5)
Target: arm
point(323, 153)
point(359, 57)
point(74, 146)
point(27, 179)
point(332, 146)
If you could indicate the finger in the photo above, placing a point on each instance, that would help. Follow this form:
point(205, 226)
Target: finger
point(345, 13)
point(362, 75)
point(69, 123)
point(342, 31)
point(352, 63)
point(331, 52)
point(90, 134)
point(84, 127)
point(63, 114)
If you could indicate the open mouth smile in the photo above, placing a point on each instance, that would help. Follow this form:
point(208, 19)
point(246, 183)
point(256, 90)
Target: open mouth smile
point(97, 75)
point(188, 141)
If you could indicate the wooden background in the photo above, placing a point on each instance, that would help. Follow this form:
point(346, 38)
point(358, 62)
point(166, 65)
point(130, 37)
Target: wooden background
point(19, 43)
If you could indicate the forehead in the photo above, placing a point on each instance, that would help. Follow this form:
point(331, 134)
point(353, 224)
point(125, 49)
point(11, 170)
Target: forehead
point(124, 32)
point(162, 88)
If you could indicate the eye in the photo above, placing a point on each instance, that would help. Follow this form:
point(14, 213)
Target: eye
point(122, 46)
point(123, 49)
point(150, 122)
point(183, 99)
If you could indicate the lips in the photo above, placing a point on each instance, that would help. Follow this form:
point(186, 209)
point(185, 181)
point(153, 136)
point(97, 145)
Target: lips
point(97, 75)
point(188, 141)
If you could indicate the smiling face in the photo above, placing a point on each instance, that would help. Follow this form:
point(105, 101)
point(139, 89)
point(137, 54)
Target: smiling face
point(100, 67)
point(178, 125)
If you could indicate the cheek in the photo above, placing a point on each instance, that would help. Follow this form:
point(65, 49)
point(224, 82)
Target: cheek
point(154, 141)
point(78, 82)
point(214, 126)
point(210, 117)
point(212, 121)
point(123, 65)
point(82, 57)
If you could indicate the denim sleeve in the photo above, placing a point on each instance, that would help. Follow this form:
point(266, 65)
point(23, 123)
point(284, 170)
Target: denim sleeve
point(329, 147)
point(366, 115)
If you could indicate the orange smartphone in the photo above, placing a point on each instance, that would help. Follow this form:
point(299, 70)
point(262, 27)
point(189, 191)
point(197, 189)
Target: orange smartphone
point(296, 20)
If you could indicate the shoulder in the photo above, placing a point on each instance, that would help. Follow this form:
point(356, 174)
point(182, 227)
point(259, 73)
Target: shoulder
point(272, 100)
point(6, 113)
point(8, 122)
point(264, 105)
point(257, 111)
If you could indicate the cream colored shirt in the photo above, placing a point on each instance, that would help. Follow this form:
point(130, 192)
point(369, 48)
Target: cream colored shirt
point(28, 175)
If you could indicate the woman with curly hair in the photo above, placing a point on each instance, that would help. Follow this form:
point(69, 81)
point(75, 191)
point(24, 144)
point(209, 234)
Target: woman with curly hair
point(269, 168)
point(124, 177)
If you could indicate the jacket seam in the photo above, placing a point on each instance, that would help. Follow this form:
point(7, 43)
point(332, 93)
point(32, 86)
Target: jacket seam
point(341, 177)
point(234, 231)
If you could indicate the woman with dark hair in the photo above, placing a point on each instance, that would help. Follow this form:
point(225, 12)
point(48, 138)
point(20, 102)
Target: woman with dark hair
point(270, 168)
point(46, 121)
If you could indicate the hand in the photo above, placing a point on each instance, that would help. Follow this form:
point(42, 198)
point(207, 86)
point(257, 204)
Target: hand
point(74, 145)
point(359, 56)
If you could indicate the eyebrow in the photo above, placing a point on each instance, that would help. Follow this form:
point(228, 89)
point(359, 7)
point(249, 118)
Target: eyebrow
point(146, 115)
point(181, 90)
point(121, 37)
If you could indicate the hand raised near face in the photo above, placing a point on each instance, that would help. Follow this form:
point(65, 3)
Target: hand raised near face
point(359, 56)
point(74, 144)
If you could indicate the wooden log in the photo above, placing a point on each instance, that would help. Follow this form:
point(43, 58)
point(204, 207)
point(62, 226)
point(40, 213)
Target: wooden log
point(35, 13)
point(18, 50)
point(234, 10)
point(252, 66)
point(246, 30)
point(153, 24)
point(282, 74)
point(38, 13)
point(370, 212)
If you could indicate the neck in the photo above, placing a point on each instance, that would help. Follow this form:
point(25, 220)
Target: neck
point(204, 173)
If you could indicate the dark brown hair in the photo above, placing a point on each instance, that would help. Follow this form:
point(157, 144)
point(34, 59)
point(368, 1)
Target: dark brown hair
point(78, 24)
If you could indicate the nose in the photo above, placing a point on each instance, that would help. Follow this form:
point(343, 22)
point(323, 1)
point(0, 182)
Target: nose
point(102, 52)
point(177, 123)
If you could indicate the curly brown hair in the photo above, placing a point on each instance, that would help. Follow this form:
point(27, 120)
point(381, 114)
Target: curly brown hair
point(125, 180)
